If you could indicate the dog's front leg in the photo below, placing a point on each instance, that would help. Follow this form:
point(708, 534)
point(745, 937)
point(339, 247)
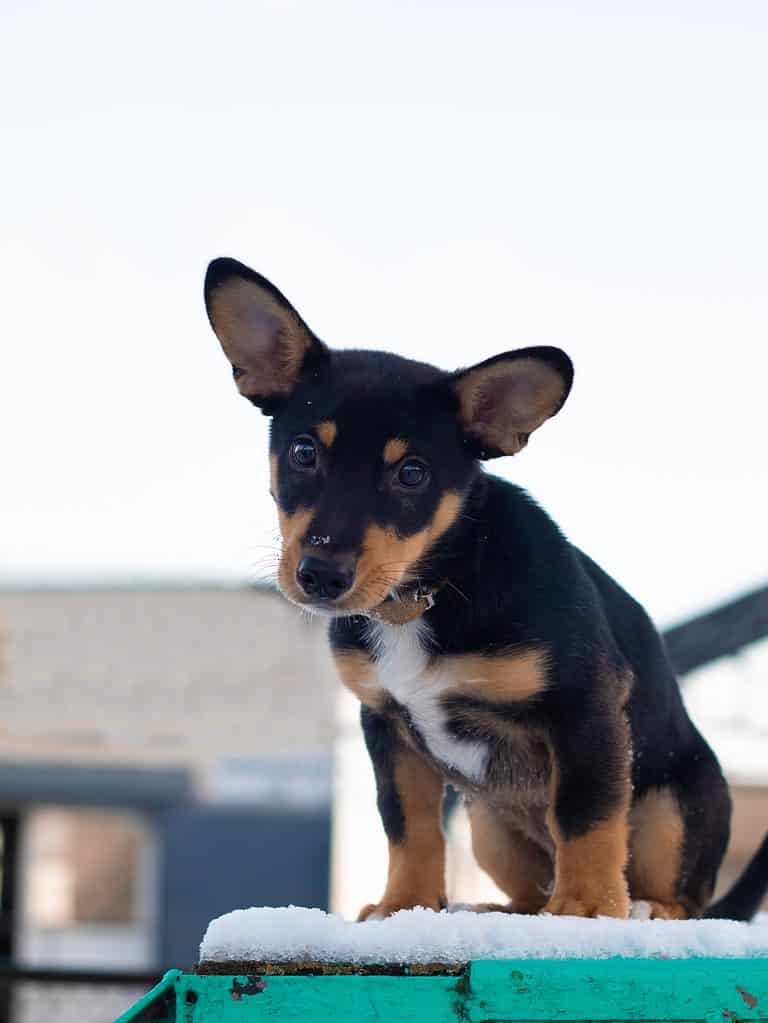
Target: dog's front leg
point(410, 797)
point(587, 816)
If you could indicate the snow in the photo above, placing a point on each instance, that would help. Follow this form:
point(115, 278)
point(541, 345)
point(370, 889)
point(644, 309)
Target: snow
point(422, 936)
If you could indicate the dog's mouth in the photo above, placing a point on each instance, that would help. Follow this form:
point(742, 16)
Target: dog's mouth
point(381, 579)
point(396, 603)
point(401, 605)
point(348, 606)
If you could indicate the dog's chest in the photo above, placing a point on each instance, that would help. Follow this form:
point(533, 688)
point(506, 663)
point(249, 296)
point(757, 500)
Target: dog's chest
point(402, 668)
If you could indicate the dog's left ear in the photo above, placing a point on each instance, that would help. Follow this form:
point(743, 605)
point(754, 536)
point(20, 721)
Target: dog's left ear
point(504, 399)
point(269, 345)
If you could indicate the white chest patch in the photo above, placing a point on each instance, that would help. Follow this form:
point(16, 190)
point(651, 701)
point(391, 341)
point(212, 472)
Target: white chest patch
point(402, 668)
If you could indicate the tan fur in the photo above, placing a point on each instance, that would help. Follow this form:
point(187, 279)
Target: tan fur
point(503, 403)
point(400, 612)
point(416, 875)
point(667, 911)
point(387, 557)
point(518, 866)
point(656, 840)
point(394, 450)
point(327, 432)
point(356, 673)
point(498, 678)
point(273, 476)
point(292, 528)
point(259, 336)
point(590, 871)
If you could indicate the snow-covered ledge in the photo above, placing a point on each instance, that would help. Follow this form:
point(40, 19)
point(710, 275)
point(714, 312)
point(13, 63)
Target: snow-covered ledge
point(294, 934)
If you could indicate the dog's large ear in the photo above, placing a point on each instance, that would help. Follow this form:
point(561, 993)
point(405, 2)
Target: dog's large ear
point(267, 342)
point(504, 399)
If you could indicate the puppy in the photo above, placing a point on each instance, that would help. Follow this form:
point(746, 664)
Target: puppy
point(485, 649)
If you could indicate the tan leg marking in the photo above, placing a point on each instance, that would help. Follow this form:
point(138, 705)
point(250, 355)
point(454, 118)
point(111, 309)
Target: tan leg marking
point(655, 853)
point(519, 867)
point(416, 874)
point(356, 673)
point(590, 871)
point(394, 450)
point(498, 678)
point(327, 431)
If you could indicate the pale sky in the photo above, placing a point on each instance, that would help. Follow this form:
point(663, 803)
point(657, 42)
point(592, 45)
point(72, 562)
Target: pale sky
point(444, 181)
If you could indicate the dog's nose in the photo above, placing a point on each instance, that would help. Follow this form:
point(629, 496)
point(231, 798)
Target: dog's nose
point(323, 578)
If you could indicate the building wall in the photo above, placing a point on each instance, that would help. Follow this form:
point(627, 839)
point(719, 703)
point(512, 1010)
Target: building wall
point(162, 676)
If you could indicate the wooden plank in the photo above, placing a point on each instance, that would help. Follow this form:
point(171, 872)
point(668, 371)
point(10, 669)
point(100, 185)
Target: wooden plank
point(619, 989)
point(368, 999)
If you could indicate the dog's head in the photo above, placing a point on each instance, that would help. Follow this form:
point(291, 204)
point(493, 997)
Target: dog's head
point(372, 455)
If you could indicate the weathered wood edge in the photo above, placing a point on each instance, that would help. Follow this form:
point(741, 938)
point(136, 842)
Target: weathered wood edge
point(318, 968)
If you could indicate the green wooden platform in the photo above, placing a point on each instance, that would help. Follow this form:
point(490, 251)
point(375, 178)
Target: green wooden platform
point(485, 991)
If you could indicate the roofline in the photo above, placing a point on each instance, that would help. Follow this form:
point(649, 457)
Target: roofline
point(11, 587)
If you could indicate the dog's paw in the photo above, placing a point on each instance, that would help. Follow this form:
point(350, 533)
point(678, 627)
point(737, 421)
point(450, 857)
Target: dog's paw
point(651, 909)
point(387, 907)
point(615, 904)
point(479, 907)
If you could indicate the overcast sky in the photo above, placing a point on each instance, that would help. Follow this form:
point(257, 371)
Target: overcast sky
point(445, 181)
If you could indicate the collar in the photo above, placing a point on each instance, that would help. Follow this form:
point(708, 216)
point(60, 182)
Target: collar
point(404, 605)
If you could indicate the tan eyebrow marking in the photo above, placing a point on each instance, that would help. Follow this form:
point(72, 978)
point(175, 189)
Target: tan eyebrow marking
point(394, 450)
point(327, 431)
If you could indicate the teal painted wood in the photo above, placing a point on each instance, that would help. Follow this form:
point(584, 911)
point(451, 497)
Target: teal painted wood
point(619, 989)
point(161, 998)
point(341, 999)
point(501, 991)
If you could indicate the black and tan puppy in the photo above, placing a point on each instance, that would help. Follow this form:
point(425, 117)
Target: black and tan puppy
point(486, 650)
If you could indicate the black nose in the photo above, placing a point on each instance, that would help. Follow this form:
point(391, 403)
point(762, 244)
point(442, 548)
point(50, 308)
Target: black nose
point(323, 578)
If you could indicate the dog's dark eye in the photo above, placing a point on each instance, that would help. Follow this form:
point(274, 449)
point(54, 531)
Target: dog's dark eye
point(412, 474)
point(303, 453)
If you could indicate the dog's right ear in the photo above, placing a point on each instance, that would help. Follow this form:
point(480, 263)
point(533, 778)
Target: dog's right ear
point(267, 342)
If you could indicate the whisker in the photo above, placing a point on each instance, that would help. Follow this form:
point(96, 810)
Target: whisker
point(456, 588)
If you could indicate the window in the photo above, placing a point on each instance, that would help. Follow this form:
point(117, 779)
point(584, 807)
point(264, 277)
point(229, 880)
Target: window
point(88, 887)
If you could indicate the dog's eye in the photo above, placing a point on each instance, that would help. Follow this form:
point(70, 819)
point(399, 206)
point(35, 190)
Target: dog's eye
point(303, 453)
point(412, 474)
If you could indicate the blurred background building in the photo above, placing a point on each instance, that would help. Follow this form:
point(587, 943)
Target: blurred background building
point(165, 757)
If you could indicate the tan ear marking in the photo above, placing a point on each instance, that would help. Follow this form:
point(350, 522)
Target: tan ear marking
point(265, 341)
point(327, 431)
point(503, 402)
point(394, 450)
